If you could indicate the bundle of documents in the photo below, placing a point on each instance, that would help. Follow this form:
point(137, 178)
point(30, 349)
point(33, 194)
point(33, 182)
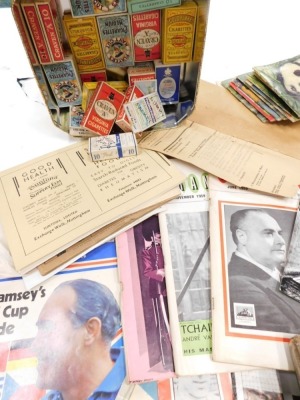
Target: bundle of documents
point(271, 92)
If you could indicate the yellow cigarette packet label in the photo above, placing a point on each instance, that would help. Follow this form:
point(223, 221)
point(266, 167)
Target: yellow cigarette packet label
point(178, 33)
point(84, 42)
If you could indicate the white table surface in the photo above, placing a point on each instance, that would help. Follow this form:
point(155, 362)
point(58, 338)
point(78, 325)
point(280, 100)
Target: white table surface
point(240, 35)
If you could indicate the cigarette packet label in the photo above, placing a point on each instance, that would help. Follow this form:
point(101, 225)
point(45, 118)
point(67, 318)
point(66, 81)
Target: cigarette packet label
point(64, 83)
point(145, 112)
point(113, 146)
point(51, 33)
point(24, 34)
point(36, 33)
point(137, 6)
point(146, 35)
point(102, 109)
point(179, 25)
point(82, 8)
point(115, 34)
point(84, 42)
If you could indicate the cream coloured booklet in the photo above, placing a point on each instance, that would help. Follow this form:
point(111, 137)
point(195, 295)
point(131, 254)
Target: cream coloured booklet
point(55, 200)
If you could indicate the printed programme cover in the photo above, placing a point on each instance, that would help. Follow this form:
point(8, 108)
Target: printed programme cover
point(250, 235)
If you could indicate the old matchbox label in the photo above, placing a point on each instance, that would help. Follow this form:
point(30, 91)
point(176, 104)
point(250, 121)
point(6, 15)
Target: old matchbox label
point(146, 35)
point(102, 109)
point(64, 82)
point(115, 35)
point(145, 112)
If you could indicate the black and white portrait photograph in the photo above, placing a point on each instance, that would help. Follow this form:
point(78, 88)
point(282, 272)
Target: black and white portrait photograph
point(256, 244)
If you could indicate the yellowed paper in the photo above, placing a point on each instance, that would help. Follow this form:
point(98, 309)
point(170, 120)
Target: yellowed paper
point(107, 232)
point(55, 200)
point(235, 160)
point(216, 108)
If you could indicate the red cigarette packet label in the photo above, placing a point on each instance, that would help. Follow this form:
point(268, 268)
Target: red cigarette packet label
point(93, 76)
point(25, 36)
point(102, 109)
point(140, 72)
point(146, 35)
point(47, 12)
point(36, 31)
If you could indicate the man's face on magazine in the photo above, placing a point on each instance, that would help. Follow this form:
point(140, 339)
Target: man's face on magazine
point(264, 242)
point(57, 344)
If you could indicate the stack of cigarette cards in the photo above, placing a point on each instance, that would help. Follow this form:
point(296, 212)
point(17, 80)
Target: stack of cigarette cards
point(145, 112)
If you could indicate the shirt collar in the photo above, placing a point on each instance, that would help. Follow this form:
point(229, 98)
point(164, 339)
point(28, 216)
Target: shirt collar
point(114, 379)
point(275, 274)
point(112, 382)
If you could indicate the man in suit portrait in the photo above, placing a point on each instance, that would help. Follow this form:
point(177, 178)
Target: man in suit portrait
point(254, 274)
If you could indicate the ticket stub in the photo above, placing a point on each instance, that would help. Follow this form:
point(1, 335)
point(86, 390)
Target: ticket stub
point(113, 146)
point(145, 112)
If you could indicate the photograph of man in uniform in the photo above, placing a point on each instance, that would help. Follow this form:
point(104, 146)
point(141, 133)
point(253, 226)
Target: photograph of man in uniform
point(254, 269)
point(73, 344)
point(154, 295)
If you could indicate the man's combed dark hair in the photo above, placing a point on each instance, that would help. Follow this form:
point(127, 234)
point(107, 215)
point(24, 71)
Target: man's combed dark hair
point(95, 300)
point(238, 217)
